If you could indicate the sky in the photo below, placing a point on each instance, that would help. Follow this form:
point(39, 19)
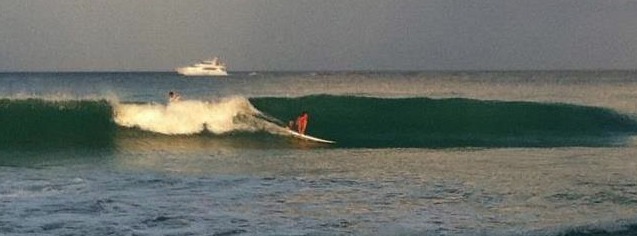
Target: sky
point(315, 35)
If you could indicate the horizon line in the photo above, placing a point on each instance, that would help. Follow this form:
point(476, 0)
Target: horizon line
point(328, 71)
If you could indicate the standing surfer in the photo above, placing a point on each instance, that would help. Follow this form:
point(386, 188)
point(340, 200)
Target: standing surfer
point(301, 122)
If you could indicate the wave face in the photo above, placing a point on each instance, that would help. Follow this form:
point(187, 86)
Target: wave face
point(445, 123)
point(352, 122)
point(33, 123)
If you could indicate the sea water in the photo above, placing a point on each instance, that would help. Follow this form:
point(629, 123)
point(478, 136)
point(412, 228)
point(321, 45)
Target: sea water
point(416, 153)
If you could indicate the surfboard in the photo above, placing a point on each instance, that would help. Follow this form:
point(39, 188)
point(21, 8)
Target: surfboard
point(307, 137)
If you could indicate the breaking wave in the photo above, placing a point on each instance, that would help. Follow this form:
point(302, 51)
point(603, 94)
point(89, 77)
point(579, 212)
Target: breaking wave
point(349, 120)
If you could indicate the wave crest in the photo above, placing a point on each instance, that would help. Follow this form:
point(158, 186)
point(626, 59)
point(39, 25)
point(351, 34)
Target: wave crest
point(191, 116)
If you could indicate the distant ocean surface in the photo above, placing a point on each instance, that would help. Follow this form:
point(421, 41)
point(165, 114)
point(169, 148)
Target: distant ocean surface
point(416, 153)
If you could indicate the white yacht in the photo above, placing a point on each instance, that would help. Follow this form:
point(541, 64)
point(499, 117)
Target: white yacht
point(212, 67)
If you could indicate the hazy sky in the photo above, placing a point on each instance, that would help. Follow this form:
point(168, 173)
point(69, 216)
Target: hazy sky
point(158, 35)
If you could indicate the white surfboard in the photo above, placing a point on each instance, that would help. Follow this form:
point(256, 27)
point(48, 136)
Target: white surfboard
point(307, 137)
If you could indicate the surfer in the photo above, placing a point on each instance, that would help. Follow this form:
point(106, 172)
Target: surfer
point(301, 122)
point(173, 97)
point(297, 129)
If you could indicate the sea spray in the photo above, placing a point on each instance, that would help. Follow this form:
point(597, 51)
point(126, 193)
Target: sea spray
point(229, 114)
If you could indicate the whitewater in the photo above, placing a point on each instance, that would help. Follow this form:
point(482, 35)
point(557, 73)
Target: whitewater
point(435, 153)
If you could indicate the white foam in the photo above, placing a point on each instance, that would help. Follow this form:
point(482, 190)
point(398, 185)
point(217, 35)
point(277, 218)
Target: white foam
point(192, 116)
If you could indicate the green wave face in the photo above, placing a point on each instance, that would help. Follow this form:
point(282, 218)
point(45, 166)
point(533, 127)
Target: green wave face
point(36, 123)
point(446, 123)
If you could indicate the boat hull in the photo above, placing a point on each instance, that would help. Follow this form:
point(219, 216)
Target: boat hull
point(187, 71)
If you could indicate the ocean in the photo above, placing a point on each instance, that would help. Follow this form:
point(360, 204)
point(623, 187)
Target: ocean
point(416, 153)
